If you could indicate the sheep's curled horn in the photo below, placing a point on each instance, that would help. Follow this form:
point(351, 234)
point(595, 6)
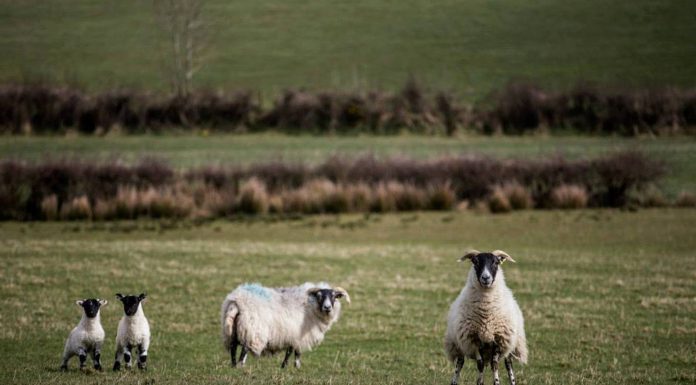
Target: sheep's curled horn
point(498, 253)
point(339, 290)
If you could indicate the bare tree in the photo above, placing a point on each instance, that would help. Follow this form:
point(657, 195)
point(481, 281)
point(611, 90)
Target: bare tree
point(183, 26)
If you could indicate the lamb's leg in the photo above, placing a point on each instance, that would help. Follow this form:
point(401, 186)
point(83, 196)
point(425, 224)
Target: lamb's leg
point(82, 354)
point(127, 356)
point(117, 359)
point(242, 357)
point(142, 356)
point(288, 352)
point(479, 366)
point(66, 358)
point(495, 357)
point(511, 374)
point(96, 358)
point(457, 370)
point(297, 359)
point(233, 352)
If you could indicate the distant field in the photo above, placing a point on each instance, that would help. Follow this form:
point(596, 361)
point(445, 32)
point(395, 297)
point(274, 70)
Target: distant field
point(190, 151)
point(608, 296)
point(471, 46)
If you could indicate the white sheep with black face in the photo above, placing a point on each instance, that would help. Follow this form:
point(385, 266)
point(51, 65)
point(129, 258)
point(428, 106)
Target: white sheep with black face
point(485, 323)
point(87, 337)
point(268, 320)
point(133, 332)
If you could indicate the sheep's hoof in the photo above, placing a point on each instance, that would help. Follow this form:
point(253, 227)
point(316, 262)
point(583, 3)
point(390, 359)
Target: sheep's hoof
point(98, 368)
point(64, 368)
point(117, 366)
point(479, 382)
point(142, 366)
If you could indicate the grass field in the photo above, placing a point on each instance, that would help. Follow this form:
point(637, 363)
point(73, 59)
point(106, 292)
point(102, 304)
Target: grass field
point(471, 46)
point(608, 296)
point(190, 151)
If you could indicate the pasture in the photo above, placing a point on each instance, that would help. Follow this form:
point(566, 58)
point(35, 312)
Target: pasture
point(608, 296)
point(471, 46)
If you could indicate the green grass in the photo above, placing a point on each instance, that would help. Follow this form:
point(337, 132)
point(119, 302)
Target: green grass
point(472, 46)
point(608, 296)
point(189, 151)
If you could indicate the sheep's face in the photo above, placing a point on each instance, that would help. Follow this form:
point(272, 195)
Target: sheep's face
point(91, 306)
point(486, 267)
point(324, 300)
point(130, 302)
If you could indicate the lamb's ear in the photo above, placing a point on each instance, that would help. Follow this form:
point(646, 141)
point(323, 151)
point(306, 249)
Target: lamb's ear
point(469, 255)
point(341, 292)
point(142, 297)
point(103, 302)
point(119, 296)
point(503, 256)
point(79, 302)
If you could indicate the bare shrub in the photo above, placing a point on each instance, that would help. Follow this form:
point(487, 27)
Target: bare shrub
point(568, 197)
point(649, 196)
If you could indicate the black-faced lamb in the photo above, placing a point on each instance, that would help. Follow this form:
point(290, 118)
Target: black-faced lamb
point(485, 323)
point(266, 320)
point(87, 337)
point(133, 332)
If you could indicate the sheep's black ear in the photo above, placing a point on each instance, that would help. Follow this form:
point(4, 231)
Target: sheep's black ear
point(119, 296)
point(503, 256)
point(469, 255)
point(142, 296)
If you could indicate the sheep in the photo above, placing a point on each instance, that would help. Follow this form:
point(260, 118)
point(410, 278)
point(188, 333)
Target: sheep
point(87, 336)
point(485, 322)
point(268, 320)
point(133, 331)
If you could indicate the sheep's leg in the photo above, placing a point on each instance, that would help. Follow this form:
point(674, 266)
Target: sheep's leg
point(242, 357)
point(142, 356)
point(96, 358)
point(233, 352)
point(127, 356)
point(288, 352)
point(117, 359)
point(457, 370)
point(495, 357)
point(511, 374)
point(82, 354)
point(297, 359)
point(66, 358)
point(479, 366)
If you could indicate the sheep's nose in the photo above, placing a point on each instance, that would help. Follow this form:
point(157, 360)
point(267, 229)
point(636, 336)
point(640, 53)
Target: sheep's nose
point(326, 308)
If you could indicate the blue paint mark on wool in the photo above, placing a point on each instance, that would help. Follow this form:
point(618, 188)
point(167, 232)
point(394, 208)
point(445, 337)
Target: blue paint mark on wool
point(257, 290)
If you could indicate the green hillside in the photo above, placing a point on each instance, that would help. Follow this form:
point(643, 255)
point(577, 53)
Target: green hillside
point(471, 46)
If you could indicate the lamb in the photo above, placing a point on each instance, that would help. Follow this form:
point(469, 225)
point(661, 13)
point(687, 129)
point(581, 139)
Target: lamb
point(485, 322)
point(268, 320)
point(87, 336)
point(133, 331)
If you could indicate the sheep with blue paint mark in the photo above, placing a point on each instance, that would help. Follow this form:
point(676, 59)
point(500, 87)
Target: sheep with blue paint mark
point(265, 320)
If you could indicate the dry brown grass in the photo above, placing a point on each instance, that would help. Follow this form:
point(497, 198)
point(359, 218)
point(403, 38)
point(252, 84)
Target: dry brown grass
point(568, 197)
point(49, 207)
point(253, 197)
point(686, 199)
point(78, 208)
